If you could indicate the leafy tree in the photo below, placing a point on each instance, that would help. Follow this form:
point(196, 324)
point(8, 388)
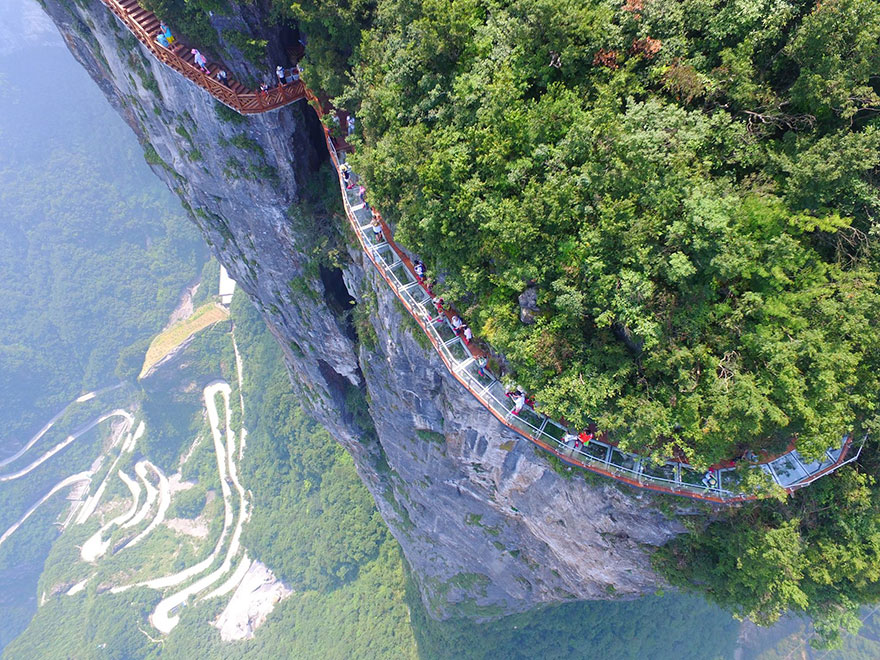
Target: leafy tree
point(691, 190)
point(703, 268)
point(817, 555)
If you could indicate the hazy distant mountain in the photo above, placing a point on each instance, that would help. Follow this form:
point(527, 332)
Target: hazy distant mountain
point(23, 24)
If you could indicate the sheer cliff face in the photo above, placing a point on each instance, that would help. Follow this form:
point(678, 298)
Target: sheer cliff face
point(485, 522)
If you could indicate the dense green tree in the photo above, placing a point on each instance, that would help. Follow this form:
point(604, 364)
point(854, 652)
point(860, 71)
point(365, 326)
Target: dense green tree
point(699, 231)
point(691, 189)
point(818, 555)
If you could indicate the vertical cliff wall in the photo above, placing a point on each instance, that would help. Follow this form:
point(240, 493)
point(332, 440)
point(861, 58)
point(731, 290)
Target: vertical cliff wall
point(486, 523)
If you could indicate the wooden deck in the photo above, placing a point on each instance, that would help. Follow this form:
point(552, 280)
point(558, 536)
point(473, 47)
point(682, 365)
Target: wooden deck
point(145, 26)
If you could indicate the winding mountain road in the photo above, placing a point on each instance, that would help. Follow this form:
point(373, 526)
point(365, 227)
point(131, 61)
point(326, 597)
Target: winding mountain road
point(163, 617)
point(141, 470)
point(80, 476)
point(30, 443)
point(92, 501)
point(222, 453)
point(95, 546)
point(64, 443)
point(164, 503)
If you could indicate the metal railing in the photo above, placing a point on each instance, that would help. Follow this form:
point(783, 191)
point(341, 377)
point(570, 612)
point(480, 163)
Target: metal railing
point(596, 456)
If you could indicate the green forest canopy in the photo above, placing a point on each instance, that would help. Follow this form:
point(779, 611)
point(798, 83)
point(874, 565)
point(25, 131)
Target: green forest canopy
point(691, 189)
point(689, 186)
point(315, 525)
point(94, 253)
point(91, 243)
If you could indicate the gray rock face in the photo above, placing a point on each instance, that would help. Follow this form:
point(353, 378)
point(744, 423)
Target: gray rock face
point(485, 521)
point(528, 305)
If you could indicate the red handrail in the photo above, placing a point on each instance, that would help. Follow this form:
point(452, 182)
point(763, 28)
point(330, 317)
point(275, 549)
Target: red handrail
point(251, 102)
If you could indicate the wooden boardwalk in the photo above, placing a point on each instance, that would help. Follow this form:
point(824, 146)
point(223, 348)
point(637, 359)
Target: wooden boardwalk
point(144, 25)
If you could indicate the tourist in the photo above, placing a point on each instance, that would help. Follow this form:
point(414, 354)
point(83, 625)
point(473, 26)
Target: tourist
point(709, 480)
point(570, 440)
point(482, 365)
point(294, 74)
point(165, 31)
point(221, 77)
point(438, 305)
point(362, 194)
point(419, 269)
point(279, 72)
point(345, 168)
point(519, 400)
point(200, 60)
point(377, 228)
point(467, 334)
point(585, 436)
point(350, 123)
point(162, 40)
point(456, 323)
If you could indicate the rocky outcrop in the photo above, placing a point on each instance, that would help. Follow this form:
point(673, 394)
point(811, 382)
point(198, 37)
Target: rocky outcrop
point(488, 524)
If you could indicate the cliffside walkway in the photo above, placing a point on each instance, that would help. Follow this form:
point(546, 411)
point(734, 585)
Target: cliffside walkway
point(790, 471)
point(144, 25)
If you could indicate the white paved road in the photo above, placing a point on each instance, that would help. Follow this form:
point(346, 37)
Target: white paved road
point(61, 445)
point(164, 617)
point(81, 476)
point(30, 443)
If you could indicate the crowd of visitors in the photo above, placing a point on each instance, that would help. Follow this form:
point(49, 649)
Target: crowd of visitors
point(283, 76)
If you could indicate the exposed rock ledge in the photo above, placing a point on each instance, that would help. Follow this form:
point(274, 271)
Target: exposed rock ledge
point(254, 599)
point(484, 521)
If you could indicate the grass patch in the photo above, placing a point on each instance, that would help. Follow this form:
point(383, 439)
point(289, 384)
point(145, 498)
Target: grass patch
point(244, 142)
point(164, 343)
point(227, 114)
point(180, 129)
point(152, 156)
point(431, 436)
